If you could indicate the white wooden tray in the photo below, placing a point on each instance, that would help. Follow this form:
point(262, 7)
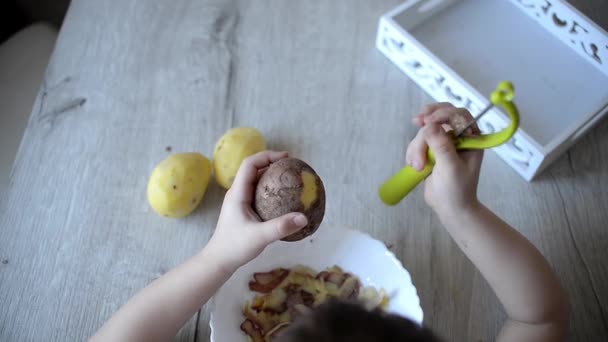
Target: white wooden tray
point(458, 50)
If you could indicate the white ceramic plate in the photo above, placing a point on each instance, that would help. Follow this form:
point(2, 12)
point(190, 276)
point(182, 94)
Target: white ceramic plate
point(353, 251)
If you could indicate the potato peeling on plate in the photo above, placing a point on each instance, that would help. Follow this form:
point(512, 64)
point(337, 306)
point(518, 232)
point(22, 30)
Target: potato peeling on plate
point(289, 293)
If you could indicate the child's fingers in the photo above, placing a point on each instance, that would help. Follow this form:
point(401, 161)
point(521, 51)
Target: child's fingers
point(415, 155)
point(281, 227)
point(261, 172)
point(441, 144)
point(450, 115)
point(247, 176)
point(430, 108)
point(419, 119)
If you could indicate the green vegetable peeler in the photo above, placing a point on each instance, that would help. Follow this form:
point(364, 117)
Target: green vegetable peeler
point(404, 181)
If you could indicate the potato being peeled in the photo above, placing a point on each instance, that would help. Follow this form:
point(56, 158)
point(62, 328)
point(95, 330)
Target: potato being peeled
point(230, 151)
point(178, 183)
point(291, 185)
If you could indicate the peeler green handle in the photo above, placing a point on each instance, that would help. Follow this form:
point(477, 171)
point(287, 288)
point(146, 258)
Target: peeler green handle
point(406, 179)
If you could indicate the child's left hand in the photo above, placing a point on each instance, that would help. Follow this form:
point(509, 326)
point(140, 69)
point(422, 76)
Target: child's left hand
point(157, 312)
point(240, 235)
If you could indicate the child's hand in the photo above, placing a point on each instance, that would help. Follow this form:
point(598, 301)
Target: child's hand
point(240, 235)
point(453, 183)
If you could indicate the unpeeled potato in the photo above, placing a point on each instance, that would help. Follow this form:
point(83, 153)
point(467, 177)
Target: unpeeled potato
point(178, 183)
point(230, 151)
point(291, 185)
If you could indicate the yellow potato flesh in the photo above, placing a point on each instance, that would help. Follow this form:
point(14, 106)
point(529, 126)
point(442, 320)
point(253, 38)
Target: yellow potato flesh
point(230, 151)
point(178, 183)
point(309, 189)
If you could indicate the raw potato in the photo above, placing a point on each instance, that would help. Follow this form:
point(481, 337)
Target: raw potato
point(234, 146)
point(291, 185)
point(178, 183)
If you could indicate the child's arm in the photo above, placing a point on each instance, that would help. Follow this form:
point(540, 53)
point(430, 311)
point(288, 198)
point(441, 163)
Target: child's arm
point(520, 276)
point(158, 311)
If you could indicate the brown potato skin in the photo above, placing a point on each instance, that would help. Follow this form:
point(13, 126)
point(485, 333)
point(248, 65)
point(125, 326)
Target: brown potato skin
point(278, 193)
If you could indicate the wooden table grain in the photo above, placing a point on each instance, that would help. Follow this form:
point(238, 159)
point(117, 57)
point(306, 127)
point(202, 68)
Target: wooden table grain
point(130, 78)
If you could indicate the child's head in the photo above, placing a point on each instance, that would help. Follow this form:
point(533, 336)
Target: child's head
point(350, 322)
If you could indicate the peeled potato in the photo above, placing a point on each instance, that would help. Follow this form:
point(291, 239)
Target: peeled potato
point(234, 146)
point(178, 183)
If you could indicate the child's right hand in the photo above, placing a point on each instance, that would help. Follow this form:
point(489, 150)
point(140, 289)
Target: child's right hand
point(523, 281)
point(453, 184)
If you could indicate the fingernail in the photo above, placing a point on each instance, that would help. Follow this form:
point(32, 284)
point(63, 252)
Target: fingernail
point(300, 220)
point(416, 164)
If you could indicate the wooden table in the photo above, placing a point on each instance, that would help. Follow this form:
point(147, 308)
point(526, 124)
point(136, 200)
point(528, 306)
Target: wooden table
point(130, 79)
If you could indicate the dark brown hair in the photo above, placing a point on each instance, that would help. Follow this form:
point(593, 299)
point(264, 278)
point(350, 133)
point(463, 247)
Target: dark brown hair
point(350, 322)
